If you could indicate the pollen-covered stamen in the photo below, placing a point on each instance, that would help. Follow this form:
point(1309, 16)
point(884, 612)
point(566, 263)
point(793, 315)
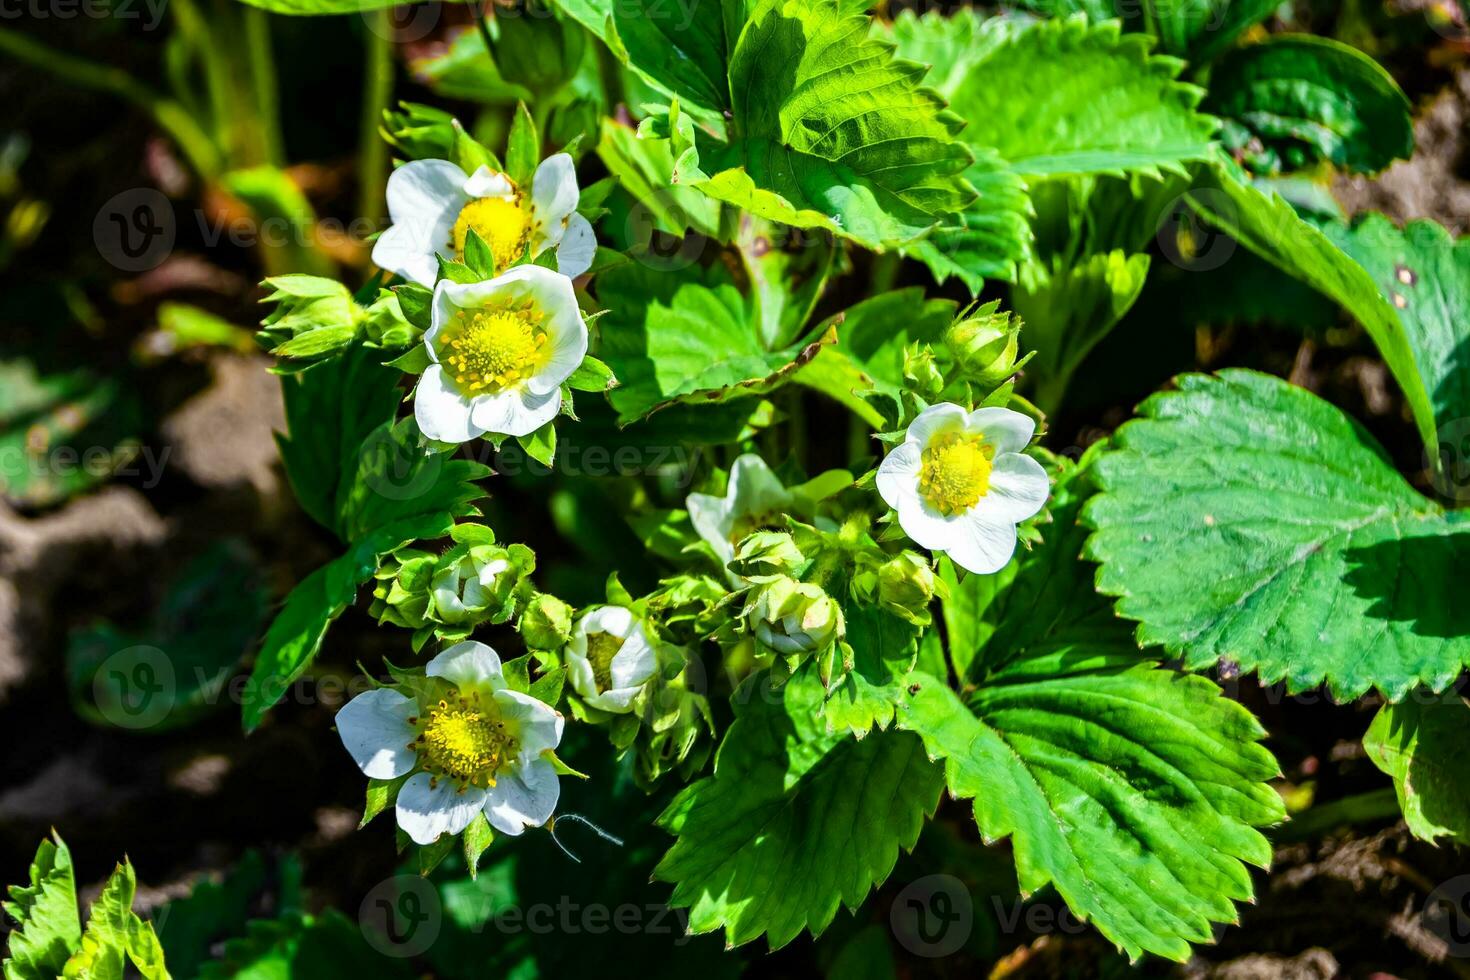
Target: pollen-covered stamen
point(601, 648)
point(501, 223)
point(490, 350)
point(955, 472)
point(462, 741)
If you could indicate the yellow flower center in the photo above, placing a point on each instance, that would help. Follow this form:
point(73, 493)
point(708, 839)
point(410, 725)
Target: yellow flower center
point(601, 648)
point(955, 472)
point(462, 742)
point(492, 349)
point(500, 223)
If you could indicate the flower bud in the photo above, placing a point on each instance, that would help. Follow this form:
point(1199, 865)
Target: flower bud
point(922, 372)
point(401, 595)
point(475, 581)
point(984, 346)
point(766, 555)
point(906, 587)
point(794, 618)
point(547, 623)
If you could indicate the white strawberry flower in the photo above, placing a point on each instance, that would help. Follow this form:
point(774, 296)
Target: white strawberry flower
point(610, 658)
point(480, 747)
point(500, 351)
point(433, 204)
point(961, 484)
point(754, 498)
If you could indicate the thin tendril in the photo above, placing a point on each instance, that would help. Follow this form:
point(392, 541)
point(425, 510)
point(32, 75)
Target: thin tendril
point(578, 818)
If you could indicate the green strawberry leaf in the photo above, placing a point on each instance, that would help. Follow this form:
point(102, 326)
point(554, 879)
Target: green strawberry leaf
point(1266, 224)
point(1424, 275)
point(1421, 744)
point(1248, 521)
point(47, 929)
point(1134, 789)
point(688, 336)
point(795, 821)
point(842, 136)
point(330, 410)
point(1034, 99)
point(1307, 98)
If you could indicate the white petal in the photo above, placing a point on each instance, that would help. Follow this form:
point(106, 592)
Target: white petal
point(441, 411)
point(554, 196)
point(980, 546)
point(537, 725)
point(409, 249)
point(470, 666)
point(635, 662)
point(898, 474)
point(617, 701)
point(616, 620)
point(579, 670)
point(754, 487)
point(516, 412)
point(1007, 431)
point(485, 182)
point(1018, 490)
point(375, 730)
point(424, 199)
point(934, 420)
point(927, 527)
point(578, 247)
point(565, 329)
point(424, 186)
point(524, 798)
point(427, 809)
point(713, 521)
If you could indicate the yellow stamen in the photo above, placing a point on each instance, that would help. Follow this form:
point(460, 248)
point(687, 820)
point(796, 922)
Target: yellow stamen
point(489, 350)
point(464, 743)
point(601, 648)
point(500, 223)
point(955, 472)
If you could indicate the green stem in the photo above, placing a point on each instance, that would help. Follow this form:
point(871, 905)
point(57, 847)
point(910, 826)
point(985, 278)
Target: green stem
point(263, 83)
point(372, 157)
point(193, 142)
point(1371, 807)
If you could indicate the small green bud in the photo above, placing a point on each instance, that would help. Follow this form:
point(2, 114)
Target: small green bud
point(794, 618)
point(385, 326)
point(766, 555)
point(314, 318)
point(906, 587)
point(547, 623)
point(536, 47)
point(984, 346)
point(401, 592)
point(922, 372)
